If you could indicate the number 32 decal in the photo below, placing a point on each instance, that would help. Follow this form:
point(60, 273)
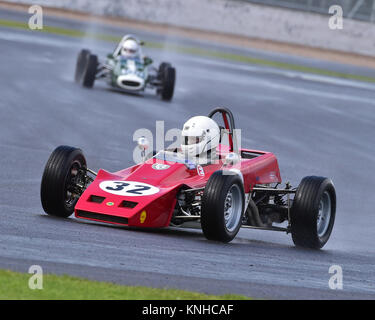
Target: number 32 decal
point(128, 188)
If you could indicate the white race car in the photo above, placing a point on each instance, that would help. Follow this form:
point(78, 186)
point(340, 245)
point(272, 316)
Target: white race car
point(127, 69)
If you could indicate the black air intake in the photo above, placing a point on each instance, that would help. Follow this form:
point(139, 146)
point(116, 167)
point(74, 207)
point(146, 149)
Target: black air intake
point(96, 199)
point(102, 217)
point(128, 204)
point(130, 83)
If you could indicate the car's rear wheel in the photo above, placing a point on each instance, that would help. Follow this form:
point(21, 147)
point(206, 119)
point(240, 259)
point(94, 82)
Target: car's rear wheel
point(81, 64)
point(65, 169)
point(222, 206)
point(313, 212)
point(168, 78)
point(90, 71)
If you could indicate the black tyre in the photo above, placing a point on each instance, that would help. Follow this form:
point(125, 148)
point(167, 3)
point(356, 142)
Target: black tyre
point(162, 67)
point(60, 173)
point(90, 71)
point(168, 82)
point(313, 212)
point(222, 206)
point(81, 64)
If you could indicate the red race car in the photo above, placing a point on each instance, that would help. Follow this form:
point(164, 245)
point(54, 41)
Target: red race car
point(226, 189)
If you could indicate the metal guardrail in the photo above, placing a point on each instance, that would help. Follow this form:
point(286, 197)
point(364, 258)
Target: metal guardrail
point(352, 9)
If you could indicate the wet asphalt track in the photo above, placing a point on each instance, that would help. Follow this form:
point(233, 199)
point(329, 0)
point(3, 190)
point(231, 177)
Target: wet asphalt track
point(314, 126)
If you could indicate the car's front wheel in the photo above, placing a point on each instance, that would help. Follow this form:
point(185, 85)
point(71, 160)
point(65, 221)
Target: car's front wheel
point(313, 212)
point(162, 67)
point(168, 79)
point(90, 71)
point(222, 206)
point(81, 64)
point(64, 170)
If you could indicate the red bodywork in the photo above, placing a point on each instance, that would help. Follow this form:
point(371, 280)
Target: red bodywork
point(156, 210)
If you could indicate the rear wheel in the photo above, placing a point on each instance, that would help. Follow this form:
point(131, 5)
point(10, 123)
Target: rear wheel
point(222, 206)
point(90, 71)
point(313, 212)
point(64, 169)
point(81, 64)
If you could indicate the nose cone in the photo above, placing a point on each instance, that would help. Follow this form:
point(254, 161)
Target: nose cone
point(130, 82)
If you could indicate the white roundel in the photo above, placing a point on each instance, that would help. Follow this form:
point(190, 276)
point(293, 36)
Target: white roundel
point(128, 188)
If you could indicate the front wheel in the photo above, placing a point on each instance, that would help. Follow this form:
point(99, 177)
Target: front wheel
point(81, 64)
point(313, 212)
point(168, 78)
point(222, 206)
point(65, 169)
point(162, 67)
point(90, 71)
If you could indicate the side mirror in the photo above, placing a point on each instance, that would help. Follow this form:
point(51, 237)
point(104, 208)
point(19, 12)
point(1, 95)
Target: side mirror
point(143, 144)
point(232, 159)
point(147, 61)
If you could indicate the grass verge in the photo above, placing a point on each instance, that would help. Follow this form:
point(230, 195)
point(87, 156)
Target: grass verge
point(194, 51)
point(14, 286)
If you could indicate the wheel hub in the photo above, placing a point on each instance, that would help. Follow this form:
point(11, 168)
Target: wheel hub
point(324, 214)
point(232, 208)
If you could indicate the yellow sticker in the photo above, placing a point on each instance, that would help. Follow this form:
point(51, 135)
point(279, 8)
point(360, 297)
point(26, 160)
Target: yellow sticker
point(110, 204)
point(143, 216)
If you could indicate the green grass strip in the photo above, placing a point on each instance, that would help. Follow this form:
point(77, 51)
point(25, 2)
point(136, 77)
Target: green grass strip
point(14, 286)
point(194, 51)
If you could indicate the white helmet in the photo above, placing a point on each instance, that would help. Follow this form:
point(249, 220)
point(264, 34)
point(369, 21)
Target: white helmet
point(199, 135)
point(130, 48)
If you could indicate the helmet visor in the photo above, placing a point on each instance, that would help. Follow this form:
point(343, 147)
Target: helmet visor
point(130, 51)
point(192, 140)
